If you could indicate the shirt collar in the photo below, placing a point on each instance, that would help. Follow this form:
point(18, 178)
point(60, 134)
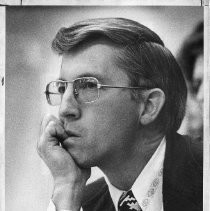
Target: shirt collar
point(150, 172)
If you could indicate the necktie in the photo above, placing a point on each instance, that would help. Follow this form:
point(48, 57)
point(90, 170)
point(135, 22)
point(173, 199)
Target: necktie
point(127, 202)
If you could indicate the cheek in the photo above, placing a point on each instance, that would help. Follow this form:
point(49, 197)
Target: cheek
point(112, 120)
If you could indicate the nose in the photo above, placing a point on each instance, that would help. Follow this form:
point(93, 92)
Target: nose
point(69, 107)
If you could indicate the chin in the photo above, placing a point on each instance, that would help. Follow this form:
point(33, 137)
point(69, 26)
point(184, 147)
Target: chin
point(85, 164)
point(82, 160)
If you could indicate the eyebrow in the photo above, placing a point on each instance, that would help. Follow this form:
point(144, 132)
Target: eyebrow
point(87, 74)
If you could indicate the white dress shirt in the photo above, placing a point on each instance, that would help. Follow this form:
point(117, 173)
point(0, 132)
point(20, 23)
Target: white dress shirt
point(147, 188)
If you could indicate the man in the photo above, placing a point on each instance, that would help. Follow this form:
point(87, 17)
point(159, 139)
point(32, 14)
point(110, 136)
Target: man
point(191, 60)
point(122, 98)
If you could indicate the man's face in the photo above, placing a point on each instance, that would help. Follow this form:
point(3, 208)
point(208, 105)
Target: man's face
point(195, 100)
point(105, 129)
point(198, 79)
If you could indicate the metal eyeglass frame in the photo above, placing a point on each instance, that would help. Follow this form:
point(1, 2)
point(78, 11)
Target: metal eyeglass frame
point(99, 86)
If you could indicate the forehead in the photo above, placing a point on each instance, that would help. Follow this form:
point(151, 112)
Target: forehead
point(95, 59)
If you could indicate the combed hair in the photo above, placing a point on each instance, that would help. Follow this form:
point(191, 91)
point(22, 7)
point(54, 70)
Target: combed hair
point(142, 55)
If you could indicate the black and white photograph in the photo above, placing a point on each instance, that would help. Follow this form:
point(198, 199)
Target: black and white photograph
point(105, 108)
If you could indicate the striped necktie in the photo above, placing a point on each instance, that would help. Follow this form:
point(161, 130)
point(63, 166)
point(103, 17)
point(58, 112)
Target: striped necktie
point(127, 202)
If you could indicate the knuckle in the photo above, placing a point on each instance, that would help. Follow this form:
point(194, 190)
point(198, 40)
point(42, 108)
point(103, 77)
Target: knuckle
point(46, 120)
point(40, 146)
point(51, 128)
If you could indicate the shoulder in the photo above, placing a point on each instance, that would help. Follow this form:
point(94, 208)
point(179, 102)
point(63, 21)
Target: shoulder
point(183, 167)
point(95, 190)
point(97, 197)
point(185, 148)
point(184, 159)
point(195, 147)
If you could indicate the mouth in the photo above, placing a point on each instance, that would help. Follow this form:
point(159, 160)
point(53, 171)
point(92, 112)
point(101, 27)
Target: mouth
point(71, 133)
point(71, 140)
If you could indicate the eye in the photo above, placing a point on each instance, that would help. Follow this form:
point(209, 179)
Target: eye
point(90, 84)
point(87, 83)
point(196, 85)
point(61, 87)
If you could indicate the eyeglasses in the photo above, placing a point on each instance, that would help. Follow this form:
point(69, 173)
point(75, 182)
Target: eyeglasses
point(85, 90)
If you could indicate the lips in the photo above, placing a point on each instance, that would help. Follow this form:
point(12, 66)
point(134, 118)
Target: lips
point(71, 133)
point(73, 137)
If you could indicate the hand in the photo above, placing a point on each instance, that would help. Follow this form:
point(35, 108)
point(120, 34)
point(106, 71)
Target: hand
point(69, 178)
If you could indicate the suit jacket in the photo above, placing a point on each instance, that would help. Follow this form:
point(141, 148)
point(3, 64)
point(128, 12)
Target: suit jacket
point(182, 179)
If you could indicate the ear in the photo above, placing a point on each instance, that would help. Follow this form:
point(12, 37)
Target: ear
point(154, 100)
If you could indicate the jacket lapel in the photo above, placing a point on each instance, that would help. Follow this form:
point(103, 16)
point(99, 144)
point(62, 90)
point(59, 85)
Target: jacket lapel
point(182, 179)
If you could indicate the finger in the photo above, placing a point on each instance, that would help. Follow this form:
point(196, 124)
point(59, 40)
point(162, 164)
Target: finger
point(55, 130)
point(52, 135)
point(45, 121)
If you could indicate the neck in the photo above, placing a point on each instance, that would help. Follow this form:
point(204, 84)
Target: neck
point(125, 166)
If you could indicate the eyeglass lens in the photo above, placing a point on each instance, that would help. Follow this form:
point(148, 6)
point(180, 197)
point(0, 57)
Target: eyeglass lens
point(84, 89)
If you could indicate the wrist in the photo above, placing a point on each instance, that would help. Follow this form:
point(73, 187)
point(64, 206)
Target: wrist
point(67, 197)
point(62, 210)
